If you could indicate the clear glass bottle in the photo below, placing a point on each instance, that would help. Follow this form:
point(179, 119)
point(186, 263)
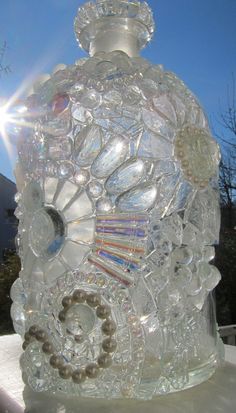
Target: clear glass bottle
point(118, 211)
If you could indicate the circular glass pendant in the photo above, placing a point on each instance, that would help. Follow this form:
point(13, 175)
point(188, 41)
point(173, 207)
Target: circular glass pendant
point(47, 233)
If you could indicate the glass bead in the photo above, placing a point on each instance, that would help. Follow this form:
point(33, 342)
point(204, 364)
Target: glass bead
point(95, 189)
point(81, 176)
point(65, 169)
point(60, 103)
point(104, 205)
point(91, 99)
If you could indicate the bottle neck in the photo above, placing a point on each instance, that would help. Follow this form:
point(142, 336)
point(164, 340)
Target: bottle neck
point(115, 40)
point(114, 33)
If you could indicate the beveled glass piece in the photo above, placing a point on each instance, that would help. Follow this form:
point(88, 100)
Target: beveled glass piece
point(88, 145)
point(74, 253)
point(138, 199)
point(50, 187)
point(80, 207)
point(156, 123)
point(67, 192)
point(165, 108)
point(112, 155)
point(125, 177)
point(81, 231)
point(151, 143)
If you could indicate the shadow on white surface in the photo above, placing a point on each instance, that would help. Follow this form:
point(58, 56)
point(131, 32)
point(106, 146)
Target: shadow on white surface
point(217, 395)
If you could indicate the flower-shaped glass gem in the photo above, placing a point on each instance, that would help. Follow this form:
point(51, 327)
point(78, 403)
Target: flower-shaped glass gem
point(198, 153)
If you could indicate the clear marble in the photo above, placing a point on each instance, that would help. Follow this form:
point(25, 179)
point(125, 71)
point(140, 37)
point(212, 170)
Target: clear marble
point(118, 217)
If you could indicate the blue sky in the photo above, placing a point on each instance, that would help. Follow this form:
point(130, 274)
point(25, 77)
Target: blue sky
point(194, 38)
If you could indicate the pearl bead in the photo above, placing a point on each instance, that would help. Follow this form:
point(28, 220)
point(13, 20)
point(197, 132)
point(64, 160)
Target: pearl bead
point(103, 311)
point(79, 296)
point(185, 163)
point(27, 336)
point(41, 335)
point(65, 372)
point(67, 301)
point(104, 360)
point(109, 345)
point(78, 376)
point(109, 327)
point(179, 144)
point(62, 316)
point(100, 282)
point(33, 329)
point(180, 154)
point(47, 347)
point(56, 361)
point(93, 300)
point(203, 184)
point(90, 279)
point(25, 345)
point(92, 371)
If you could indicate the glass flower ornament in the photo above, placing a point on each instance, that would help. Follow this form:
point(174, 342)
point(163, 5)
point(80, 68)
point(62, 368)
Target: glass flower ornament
point(118, 211)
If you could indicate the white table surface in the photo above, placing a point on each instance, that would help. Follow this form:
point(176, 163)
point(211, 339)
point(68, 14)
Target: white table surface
point(217, 395)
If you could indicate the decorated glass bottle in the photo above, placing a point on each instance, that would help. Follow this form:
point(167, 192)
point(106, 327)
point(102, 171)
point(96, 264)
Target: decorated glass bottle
point(118, 216)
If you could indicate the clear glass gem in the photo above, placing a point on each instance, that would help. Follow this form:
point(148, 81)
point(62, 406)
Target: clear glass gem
point(65, 169)
point(95, 189)
point(125, 177)
point(113, 154)
point(80, 319)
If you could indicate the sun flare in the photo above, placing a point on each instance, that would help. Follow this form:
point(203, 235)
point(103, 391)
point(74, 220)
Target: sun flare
point(4, 117)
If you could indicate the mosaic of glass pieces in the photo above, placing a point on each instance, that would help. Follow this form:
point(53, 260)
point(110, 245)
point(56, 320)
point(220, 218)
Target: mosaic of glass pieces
point(117, 181)
point(85, 337)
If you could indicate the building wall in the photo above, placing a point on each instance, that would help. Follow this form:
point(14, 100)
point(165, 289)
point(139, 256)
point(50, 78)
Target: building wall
point(8, 222)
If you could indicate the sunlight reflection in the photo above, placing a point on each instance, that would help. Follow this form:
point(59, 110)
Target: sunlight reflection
point(11, 120)
point(4, 118)
point(11, 112)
